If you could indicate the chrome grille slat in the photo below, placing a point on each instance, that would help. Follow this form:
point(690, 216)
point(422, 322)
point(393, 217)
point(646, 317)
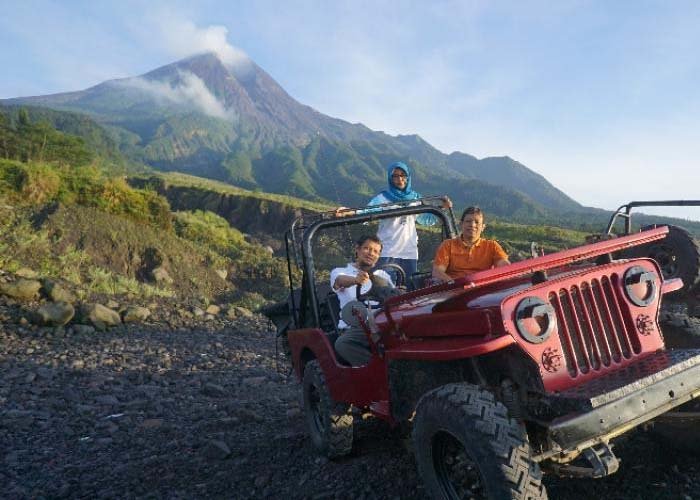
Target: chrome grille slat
point(606, 320)
point(592, 326)
point(581, 347)
point(564, 334)
point(596, 324)
point(617, 317)
point(585, 327)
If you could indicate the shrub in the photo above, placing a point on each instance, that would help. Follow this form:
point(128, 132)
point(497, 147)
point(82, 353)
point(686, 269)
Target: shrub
point(39, 183)
point(103, 281)
point(34, 183)
point(210, 230)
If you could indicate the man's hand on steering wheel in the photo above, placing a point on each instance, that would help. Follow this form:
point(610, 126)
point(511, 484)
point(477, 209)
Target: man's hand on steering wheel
point(362, 277)
point(395, 269)
point(381, 289)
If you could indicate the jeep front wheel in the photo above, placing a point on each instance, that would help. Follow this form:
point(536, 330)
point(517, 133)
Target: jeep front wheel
point(329, 422)
point(467, 447)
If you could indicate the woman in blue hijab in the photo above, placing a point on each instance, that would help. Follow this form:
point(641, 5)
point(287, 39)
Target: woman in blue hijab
point(399, 235)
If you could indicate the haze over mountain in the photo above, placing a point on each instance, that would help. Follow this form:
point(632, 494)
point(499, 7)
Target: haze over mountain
point(232, 122)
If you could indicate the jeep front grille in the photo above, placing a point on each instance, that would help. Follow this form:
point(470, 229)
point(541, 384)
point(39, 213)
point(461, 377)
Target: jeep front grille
point(592, 327)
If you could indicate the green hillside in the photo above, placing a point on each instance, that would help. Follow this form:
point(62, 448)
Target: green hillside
point(66, 219)
point(66, 213)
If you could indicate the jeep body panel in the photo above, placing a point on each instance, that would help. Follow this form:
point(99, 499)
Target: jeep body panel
point(360, 385)
point(473, 316)
point(597, 330)
point(446, 349)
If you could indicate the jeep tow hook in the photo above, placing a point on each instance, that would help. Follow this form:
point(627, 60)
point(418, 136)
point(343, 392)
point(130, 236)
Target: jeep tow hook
point(601, 462)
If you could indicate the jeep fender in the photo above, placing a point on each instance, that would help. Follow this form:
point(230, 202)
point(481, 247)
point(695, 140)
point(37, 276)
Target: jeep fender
point(359, 385)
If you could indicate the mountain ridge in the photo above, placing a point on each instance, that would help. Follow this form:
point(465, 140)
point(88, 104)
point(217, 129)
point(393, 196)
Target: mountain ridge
point(236, 124)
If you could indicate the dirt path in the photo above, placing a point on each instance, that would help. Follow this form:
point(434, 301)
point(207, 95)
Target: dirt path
point(156, 412)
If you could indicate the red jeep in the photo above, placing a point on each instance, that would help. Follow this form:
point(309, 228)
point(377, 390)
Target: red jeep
point(502, 373)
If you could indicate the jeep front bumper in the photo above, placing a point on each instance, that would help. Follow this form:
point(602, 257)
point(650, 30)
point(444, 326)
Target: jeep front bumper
point(616, 402)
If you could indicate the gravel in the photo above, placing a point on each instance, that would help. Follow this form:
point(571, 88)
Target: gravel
point(169, 409)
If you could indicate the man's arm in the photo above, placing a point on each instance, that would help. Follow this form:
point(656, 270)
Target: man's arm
point(344, 211)
point(500, 257)
point(345, 281)
point(440, 274)
point(441, 261)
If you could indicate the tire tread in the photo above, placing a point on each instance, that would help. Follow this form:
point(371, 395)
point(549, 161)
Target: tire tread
point(336, 440)
point(487, 421)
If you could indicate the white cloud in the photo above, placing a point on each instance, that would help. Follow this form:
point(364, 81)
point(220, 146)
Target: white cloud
point(181, 37)
point(190, 91)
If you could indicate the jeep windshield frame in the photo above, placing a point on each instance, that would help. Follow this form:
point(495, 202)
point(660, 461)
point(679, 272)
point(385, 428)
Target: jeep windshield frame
point(300, 237)
point(625, 211)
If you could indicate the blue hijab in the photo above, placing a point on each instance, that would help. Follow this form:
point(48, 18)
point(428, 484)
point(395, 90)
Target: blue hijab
point(394, 193)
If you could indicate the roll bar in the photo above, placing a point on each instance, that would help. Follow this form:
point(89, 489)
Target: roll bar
point(625, 211)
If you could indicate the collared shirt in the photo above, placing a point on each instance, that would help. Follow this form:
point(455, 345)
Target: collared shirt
point(460, 259)
point(345, 295)
point(398, 235)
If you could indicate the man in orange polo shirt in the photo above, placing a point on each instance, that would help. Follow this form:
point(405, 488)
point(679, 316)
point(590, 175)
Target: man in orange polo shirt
point(469, 252)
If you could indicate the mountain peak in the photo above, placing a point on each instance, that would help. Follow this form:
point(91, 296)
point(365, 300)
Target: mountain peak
point(204, 63)
point(220, 115)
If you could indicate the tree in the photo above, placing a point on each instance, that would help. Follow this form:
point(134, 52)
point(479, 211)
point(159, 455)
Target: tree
point(8, 138)
point(40, 141)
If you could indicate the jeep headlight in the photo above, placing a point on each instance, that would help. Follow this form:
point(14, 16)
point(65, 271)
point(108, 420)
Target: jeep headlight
point(640, 286)
point(535, 319)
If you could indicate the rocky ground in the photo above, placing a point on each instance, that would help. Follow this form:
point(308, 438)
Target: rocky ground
point(188, 409)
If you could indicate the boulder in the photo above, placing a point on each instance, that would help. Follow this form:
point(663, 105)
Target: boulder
point(134, 314)
point(160, 275)
point(22, 289)
point(56, 292)
point(239, 312)
point(53, 314)
point(100, 316)
point(27, 273)
point(223, 273)
point(213, 309)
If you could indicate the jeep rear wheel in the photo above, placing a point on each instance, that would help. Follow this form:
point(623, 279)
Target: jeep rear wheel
point(680, 330)
point(467, 447)
point(677, 254)
point(329, 422)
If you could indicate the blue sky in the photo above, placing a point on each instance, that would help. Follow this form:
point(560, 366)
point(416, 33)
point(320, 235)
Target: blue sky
point(601, 98)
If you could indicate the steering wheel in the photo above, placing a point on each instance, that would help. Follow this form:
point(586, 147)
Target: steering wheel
point(400, 273)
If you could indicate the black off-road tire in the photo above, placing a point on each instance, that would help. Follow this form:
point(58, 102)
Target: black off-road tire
point(680, 330)
point(679, 429)
point(677, 254)
point(466, 446)
point(329, 423)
